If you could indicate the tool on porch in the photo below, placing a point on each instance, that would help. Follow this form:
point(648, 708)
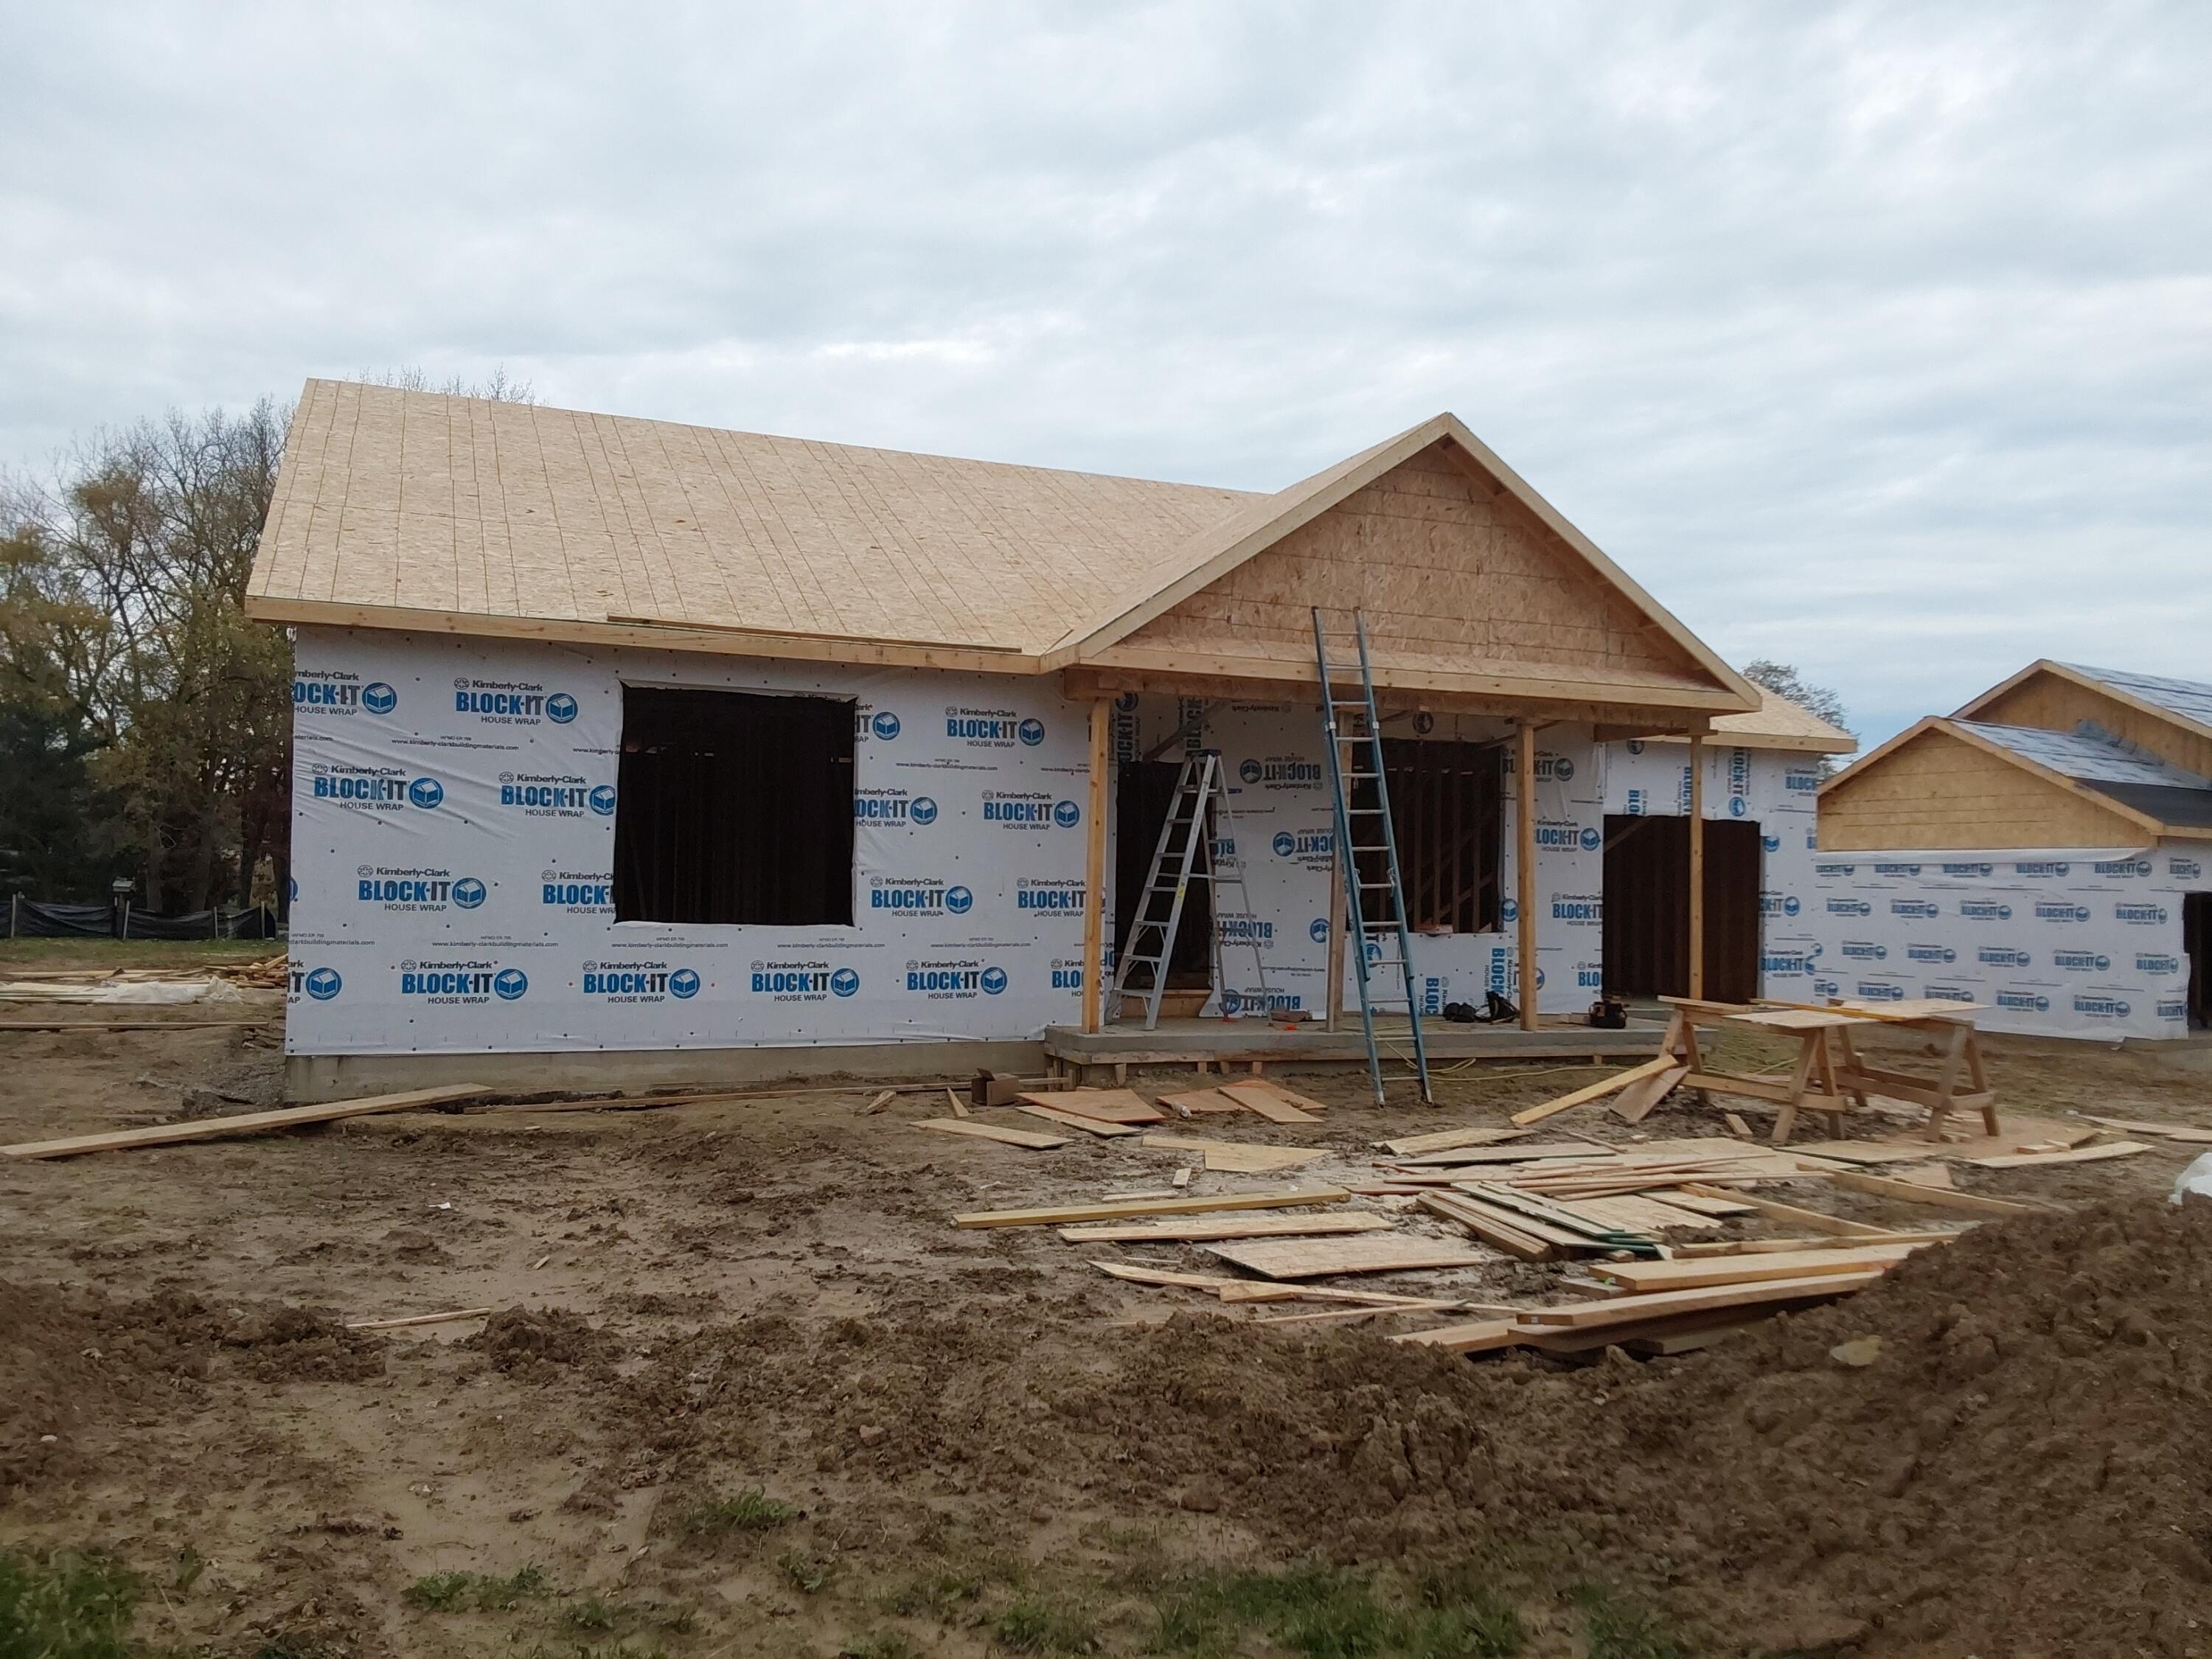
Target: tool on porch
point(1199, 823)
point(1352, 734)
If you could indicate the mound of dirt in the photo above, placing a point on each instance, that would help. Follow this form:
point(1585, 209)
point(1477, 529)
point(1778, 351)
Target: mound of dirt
point(2020, 1468)
point(519, 1339)
point(74, 1364)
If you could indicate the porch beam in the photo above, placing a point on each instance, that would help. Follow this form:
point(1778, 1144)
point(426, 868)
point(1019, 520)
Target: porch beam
point(1525, 834)
point(1094, 872)
point(1696, 866)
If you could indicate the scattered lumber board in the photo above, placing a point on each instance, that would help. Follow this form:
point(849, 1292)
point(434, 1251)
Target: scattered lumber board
point(1202, 1100)
point(2165, 1131)
point(447, 1318)
point(1648, 1276)
point(1271, 1102)
point(1499, 1231)
point(959, 1106)
point(1818, 1219)
point(1454, 1157)
point(1597, 1091)
point(245, 1123)
point(1032, 1139)
point(1635, 1103)
point(1840, 1241)
point(1943, 1197)
point(1339, 1315)
point(1873, 1151)
point(1326, 1257)
point(1244, 1289)
point(877, 1104)
point(1677, 1199)
point(1218, 1227)
point(2075, 1155)
point(1470, 1336)
point(1138, 1274)
point(1445, 1139)
point(1112, 1105)
point(1089, 1126)
point(1119, 1209)
point(1637, 1309)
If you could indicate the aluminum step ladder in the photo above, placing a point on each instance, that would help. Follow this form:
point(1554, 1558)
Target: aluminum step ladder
point(1186, 852)
point(1352, 733)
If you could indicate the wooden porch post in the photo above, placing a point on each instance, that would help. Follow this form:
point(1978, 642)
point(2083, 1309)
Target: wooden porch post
point(1697, 864)
point(1524, 825)
point(1094, 871)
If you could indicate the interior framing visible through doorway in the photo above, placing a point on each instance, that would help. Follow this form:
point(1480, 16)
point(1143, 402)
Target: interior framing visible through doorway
point(1647, 912)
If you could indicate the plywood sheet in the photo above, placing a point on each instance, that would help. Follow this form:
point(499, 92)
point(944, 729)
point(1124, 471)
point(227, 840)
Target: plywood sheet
point(1268, 1101)
point(1117, 1209)
point(1445, 1139)
point(1374, 1254)
point(1203, 1100)
point(1089, 1126)
point(1110, 1105)
point(1035, 1140)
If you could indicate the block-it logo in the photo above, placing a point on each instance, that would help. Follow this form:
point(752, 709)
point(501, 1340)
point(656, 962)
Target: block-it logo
point(1280, 772)
point(914, 896)
point(2176, 1008)
point(2159, 966)
point(991, 728)
point(1561, 834)
point(371, 788)
point(1234, 1002)
point(2185, 869)
point(1802, 781)
point(1578, 910)
point(2081, 961)
point(1028, 809)
point(892, 808)
point(1043, 897)
point(1835, 871)
point(954, 980)
point(1769, 844)
point(1969, 871)
point(416, 890)
point(1944, 953)
point(512, 703)
point(1317, 930)
point(2059, 910)
point(1638, 805)
point(331, 691)
point(2093, 1006)
point(801, 980)
point(1554, 768)
point(1303, 846)
point(2022, 1002)
point(546, 794)
point(1919, 909)
point(576, 892)
point(2126, 869)
point(1874, 990)
point(1941, 992)
point(872, 725)
point(1984, 910)
point(316, 984)
point(444, 984)
point(2140, 915)
point(1785, 964)
point(1779, 904)
point(2041, 869)
point(1828, 987)
point(639, 982)
point(2003, 955)
point(1067, 974)
point(1897, 869)
point(1850, 907)
point(1863, 950)
point(1245, 930)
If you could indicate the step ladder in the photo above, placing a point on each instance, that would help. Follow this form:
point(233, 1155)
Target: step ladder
point(1352, 734)
point(1197, 812)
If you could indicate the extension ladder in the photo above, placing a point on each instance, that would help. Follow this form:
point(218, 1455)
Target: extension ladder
point(1352, 733)
point(1185, 854)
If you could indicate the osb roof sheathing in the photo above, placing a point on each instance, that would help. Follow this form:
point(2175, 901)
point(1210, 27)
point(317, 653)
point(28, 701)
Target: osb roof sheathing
point(1781, 724)
point(423, 511)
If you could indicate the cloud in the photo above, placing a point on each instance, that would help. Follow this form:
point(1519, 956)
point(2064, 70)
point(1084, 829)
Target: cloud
point(1873, 339)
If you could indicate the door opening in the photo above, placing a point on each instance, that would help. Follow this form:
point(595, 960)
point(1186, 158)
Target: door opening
point(1144, 790)
point(1647, 907)
point(2197, 944)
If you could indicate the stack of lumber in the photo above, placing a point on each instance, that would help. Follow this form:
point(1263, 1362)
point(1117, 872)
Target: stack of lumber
point(1664, 1301)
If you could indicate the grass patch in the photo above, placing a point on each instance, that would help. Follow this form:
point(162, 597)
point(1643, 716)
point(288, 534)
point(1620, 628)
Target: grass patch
point(66, 1606)
point(1324, 1615)
point(807, 1572)
point(749, 1511)
point(1616, 1629)
point(950, 1595)
point(475, 1592)
point(1038, 1624)
point(590, 1614)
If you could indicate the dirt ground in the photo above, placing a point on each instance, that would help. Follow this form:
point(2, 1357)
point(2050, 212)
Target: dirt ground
point(750, 1393)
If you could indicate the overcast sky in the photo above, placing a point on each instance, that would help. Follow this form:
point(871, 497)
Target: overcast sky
point(1877, 338)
